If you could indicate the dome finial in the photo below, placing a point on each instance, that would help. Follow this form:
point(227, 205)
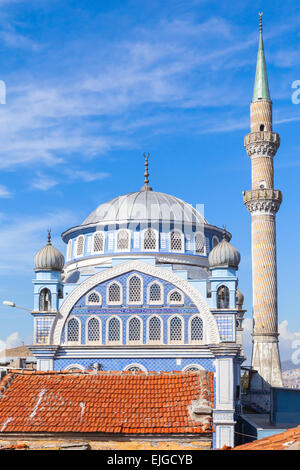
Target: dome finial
point(224, 232)
point(146, 186)
point(49, 236)
point(260, 22)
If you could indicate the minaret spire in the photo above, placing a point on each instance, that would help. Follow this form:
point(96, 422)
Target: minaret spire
point(261, 86)
point(263, 202)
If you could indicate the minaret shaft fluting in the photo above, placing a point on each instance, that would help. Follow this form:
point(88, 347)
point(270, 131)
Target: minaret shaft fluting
point(263, 202)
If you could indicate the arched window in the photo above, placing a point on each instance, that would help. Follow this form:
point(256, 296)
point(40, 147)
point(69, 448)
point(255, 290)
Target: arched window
point(45, 300)
point(80, 246)
point(175, 297)
point(136, 368)
point(192, 368)
point(155, 332)
point(262, 128)
point(69, 250)
point(176, 330)
point(98, 242)
point(155, 293)
point(215, 241)
point(134, 334)
point(223, 297)
point(73, 330)
point(93, 298)
point(114, 330)
point(176, 241)
point(199, 244)
point(134, 290)
point(196, 329)
point(123, 240)
point(114, 294)
point(93, 330)
point(150, 240)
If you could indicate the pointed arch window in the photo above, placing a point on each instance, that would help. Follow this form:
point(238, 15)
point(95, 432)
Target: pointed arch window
point(114, 330)
point(45, 300)
point(199, 244)
point(177, 241)
point(155, 330)
point(73, 331)
point(93, 330)
point(150, 240)
point(155, 293)
point(176, 330)
point(196, 329)
point(215, 241)
point(135, 290)
point(223, 297)
point(93, 298)
point(114, 294)
point(98, 242)
point(175, 297)
point(134, 334)
point(123, 240)
point(80, 246)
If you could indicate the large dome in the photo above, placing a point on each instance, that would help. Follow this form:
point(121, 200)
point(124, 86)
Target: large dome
point(145, 206)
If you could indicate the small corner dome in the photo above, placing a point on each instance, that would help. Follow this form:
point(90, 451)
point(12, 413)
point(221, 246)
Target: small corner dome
point(224, 255)
point(239, 299)
point(49, 258)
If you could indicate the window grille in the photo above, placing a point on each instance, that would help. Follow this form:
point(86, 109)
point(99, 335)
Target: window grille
point(45, 300)
point(69, 249)
point(175, 297)
point(80, 245)
point(114, 330)
point(93, 298)
point(176, 241)
point(98, 244)
point(134, 329)
point(175, 329)
point(134, 369)
point(73, 330)
point(155, 293)
point(191, 369)
point(196, 329)
point(123, 240)
point(93, 330)
point(223, 297)
point(199, 244)
point(114, 293)
point(149, 239)
point(135, 290)
point(155, 332)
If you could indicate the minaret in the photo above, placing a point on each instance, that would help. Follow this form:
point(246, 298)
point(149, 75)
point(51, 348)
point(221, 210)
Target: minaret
point(263, 202)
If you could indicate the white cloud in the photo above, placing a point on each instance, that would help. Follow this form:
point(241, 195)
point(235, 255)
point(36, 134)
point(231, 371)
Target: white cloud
point(11, 341)
point(288, 340)
point(43, 182)
point(87, 176)
point(4, 192)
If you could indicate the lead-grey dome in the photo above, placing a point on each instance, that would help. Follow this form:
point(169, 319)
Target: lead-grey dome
point(49, 258)
point(145, 206)
point(224, 255)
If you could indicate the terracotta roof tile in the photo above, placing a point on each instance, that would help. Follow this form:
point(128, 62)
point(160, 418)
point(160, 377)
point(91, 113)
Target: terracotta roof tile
point(283, 441)
point(106, 402)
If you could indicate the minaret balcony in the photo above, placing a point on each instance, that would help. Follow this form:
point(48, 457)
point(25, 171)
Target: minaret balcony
point(262, 144)
point(262, 200)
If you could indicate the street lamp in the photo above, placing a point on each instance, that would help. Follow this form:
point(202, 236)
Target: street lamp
point(8, 303)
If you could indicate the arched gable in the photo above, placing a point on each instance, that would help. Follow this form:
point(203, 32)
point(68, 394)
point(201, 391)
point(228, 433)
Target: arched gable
point(144, 268)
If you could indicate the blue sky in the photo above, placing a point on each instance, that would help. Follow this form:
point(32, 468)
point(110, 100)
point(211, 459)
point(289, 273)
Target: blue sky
point(91, 85)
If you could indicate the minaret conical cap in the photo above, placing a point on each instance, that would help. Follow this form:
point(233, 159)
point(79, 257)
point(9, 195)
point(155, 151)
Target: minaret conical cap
point(261, 86)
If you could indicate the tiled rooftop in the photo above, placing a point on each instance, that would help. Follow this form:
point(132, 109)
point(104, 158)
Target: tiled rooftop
point(106, 402)
point(288, 440)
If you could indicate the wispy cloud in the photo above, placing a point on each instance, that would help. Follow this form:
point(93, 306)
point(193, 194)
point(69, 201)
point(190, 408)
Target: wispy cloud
point(43, 182)
point(87, 176)
point(4, 192)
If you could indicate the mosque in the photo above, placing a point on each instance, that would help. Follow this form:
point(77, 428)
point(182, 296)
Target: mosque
point(148, 284)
